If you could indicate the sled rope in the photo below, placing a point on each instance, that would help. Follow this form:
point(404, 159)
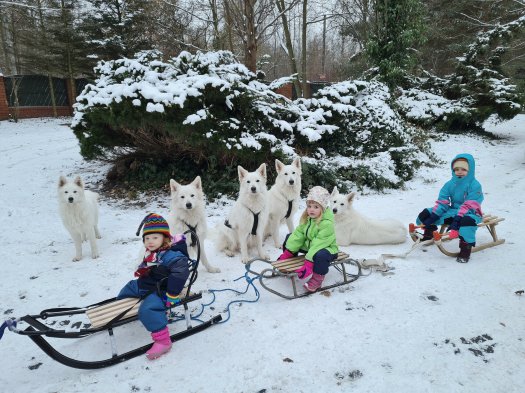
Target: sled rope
point(9, 324)
point(227, 310)
point(380, 263)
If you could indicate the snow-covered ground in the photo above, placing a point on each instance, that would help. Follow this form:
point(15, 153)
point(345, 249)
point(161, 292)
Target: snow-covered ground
point(428, 325)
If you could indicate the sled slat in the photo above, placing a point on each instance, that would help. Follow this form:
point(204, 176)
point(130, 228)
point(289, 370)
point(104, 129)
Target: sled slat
point(101, 315)
point(292, 264)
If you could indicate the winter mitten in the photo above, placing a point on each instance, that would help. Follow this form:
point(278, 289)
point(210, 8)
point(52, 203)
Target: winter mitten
point(172, 300)
point(453, 234)
point(285, 255)
point(306, 270)
point(431, 219)
point(454, 226)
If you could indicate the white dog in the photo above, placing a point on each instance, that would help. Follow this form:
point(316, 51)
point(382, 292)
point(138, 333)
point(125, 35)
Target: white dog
point(187, 212)
point(283, 198)
point(245, 225)
point(353, 228)
point(79, 213)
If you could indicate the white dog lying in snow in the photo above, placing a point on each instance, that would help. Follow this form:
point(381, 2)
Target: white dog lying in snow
point(352, 227)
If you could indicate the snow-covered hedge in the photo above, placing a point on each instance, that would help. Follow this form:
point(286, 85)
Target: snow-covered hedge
point(477, 89)
point(207, 113)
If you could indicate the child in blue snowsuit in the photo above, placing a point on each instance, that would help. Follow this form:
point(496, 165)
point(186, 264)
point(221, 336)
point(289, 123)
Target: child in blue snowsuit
point(161, 278)
point(459, 205)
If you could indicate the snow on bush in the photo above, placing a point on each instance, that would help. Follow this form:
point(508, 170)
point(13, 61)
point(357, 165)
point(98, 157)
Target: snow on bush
point(206, 111)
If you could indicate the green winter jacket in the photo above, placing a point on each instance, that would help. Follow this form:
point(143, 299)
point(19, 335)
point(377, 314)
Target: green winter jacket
point(312, 237)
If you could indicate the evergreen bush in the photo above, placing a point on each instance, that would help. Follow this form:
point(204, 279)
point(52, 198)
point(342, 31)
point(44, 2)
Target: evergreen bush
point(204, 114)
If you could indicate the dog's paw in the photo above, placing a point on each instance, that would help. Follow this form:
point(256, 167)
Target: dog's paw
point(95, 256)
point(99, 237)
point(213, 269)
point(76, 259)
point(230, 253)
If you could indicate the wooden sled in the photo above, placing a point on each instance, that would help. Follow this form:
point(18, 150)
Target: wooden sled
point(287, 267)
point(99, 317)
point(440, 237)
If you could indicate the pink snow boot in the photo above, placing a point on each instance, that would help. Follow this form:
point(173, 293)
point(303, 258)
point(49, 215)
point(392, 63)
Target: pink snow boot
point(314, 283)
point(161, 344)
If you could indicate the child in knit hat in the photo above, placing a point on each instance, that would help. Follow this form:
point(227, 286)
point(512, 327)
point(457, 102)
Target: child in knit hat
point(160, 279)
point(459, 205)
point(315, 236)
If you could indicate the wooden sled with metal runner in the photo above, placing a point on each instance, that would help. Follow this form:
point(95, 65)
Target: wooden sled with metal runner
point(440, 237)
point(103, 316)
point(349, 270)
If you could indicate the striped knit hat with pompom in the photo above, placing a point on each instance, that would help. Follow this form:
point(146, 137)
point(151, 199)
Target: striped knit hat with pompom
point(154, 223)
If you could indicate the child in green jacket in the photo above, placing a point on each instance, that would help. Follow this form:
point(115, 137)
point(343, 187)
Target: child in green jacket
point(315, 236)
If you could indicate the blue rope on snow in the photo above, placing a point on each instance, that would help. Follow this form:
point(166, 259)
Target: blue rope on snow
point(227, 309)
point(9, 323)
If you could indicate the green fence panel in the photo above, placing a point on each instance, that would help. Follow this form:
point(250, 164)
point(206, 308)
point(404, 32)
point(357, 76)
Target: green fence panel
point(34, 90)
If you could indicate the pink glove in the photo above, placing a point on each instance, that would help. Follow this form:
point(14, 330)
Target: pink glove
point(306, 270)
point(453, 234)
point(285, 255)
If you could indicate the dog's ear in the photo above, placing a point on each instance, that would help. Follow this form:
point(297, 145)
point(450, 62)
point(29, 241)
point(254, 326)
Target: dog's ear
point(278, 166)
point(174, 185)
point(350, 197)
point(61, 181)
point(79, 182)
point(197, 183)
point(297, 162)
point(242, 172)
point(262, 170)
point(335, 192)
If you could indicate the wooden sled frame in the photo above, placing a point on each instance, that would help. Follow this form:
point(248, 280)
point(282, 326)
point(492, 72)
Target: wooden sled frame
point(440, 237)
point(105, 316)
point(287, 267)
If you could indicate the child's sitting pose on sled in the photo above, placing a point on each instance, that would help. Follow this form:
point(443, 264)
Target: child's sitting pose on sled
point(314, 236)
point(161, 278)
point(459, 205)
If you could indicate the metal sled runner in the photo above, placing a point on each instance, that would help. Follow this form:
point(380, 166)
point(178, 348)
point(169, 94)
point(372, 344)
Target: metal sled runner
point(489, 222)
point(349, 269)
point(103, 316)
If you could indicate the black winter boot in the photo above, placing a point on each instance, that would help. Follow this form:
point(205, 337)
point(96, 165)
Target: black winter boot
point(429, 232)
point(464, 251)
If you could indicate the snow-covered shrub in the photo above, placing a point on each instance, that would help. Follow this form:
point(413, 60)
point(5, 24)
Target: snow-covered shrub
point(205, 114)
point(371, 145)
point(424, 108)
point(477, 89)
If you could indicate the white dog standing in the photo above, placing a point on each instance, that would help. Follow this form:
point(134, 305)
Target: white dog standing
point(245, 225)
point(79, 213)
point(283, 198)
point(352, 227)
point(187, 212)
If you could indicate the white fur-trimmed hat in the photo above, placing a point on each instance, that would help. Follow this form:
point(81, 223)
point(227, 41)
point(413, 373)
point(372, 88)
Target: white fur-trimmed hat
point(320, 195)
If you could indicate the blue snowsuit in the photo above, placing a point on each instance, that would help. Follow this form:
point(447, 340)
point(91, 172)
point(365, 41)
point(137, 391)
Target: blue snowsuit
point(169, 275)
point(459, 197)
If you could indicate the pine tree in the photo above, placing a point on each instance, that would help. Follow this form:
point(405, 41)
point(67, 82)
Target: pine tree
point(398, 30)
point(116, 28)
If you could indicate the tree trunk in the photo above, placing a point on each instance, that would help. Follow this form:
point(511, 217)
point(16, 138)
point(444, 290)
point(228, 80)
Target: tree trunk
point(217, 42)
point(289, 48)
point(303, 51)
point(69, 56)
point(250, 46)
point(229, 29)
